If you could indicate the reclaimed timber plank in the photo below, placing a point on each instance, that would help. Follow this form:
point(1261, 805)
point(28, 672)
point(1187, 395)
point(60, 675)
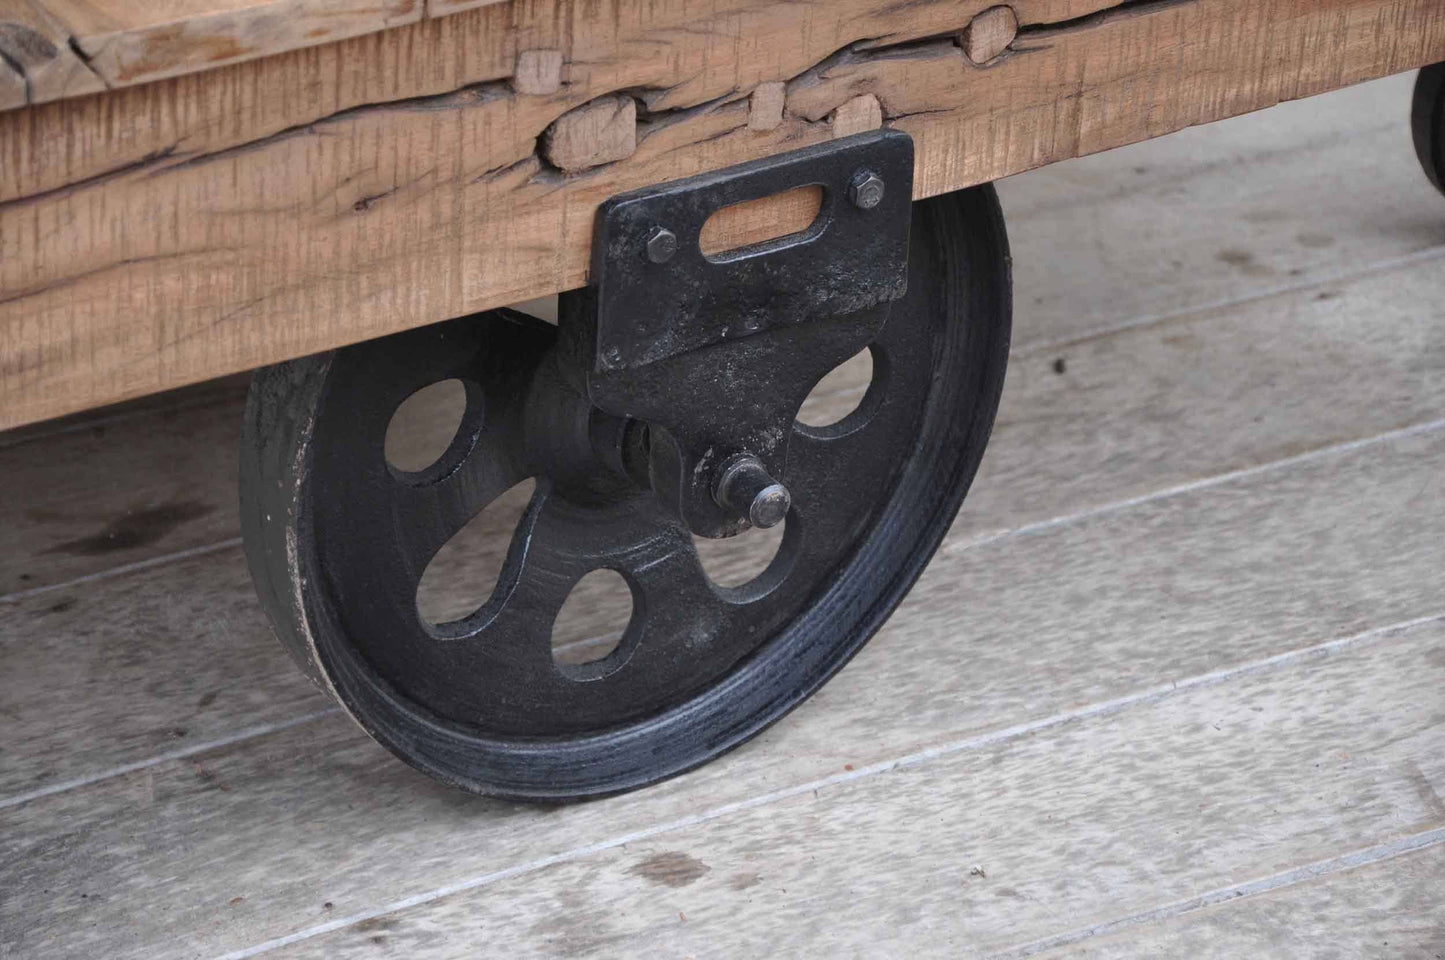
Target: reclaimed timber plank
point(198, 262)
point(126, 42)
point(51, 146)
point(1388, 907)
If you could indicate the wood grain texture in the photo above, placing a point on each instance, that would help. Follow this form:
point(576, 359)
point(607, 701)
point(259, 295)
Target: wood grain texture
point(125, 42)
point(54, 145)
point(120, 491)
point(1121, 423)
point(858, 115)
point(1168, 801)
point(602, 131)
point(765, 106)
point(35, 50)
point(1136, 410)
point(251, 839)
point(755, 221)
point(1299, 196)
point(539, 72)
point(1389, 908)
point(198, 262)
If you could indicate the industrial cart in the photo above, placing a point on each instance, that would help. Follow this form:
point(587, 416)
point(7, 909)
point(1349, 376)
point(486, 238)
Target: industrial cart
point(732, 199)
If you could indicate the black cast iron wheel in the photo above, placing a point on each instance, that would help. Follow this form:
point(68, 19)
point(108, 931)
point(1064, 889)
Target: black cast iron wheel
point(1427, 122)
point(337, 539)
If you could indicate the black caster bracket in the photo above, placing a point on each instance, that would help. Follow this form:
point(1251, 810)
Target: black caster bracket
point(716, 353)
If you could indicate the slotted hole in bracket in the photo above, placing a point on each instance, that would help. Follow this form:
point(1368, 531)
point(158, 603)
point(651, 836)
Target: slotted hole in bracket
point(742, 226)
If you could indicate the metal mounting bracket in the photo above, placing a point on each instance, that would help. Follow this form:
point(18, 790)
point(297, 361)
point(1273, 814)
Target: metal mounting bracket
point(715, 353)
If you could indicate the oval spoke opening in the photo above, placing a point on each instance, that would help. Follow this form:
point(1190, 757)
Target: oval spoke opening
point(738, 561)
point(590, 626)
point(432, 430)
point(843, 399)
point(463, 574)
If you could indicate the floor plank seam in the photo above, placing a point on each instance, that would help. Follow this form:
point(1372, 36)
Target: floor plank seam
point(149, 563)
point(992, 738)
point(45, 430)
point(1310, 871)
point(1204, 483)
point(180, 754)
point(1344, 275)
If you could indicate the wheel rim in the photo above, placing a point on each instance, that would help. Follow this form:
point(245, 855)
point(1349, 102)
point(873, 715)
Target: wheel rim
point(479, 702)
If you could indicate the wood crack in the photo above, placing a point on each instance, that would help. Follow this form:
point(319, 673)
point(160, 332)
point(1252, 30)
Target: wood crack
point(1123, 10)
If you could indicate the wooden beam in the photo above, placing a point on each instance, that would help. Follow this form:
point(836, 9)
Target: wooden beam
point(232, 242)
point(127, 42)
point(675, 54)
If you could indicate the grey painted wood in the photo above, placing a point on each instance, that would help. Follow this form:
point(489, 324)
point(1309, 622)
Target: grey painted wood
point(1294, 194)
point(119, 487)
point(118, 672)
point(1224, 390)
point(990, 848)
point(1010, 632)
point(1388, 908)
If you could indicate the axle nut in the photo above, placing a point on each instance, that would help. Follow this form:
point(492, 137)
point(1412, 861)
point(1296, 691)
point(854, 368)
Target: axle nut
point(866, 190)
point(745, 488)
point(661, 245)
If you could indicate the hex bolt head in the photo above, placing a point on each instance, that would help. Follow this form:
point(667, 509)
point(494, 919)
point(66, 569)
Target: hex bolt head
point(744, 488)
point(866, 190)
point(661, 245)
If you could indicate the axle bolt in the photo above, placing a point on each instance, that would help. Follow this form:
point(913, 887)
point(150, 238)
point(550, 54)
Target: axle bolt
point(866, 190)
point(745, 488)
point(661, 245)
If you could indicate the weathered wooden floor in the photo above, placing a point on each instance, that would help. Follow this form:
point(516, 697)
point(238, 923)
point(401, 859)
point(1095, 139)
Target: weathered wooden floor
point(1174, 686)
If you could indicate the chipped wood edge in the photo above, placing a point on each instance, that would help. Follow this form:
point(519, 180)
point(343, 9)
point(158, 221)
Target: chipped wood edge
point(37, 62)
point(599, 132)
point(989, 34)
point(166, 50)
point(242, 103)
point(90, 61)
